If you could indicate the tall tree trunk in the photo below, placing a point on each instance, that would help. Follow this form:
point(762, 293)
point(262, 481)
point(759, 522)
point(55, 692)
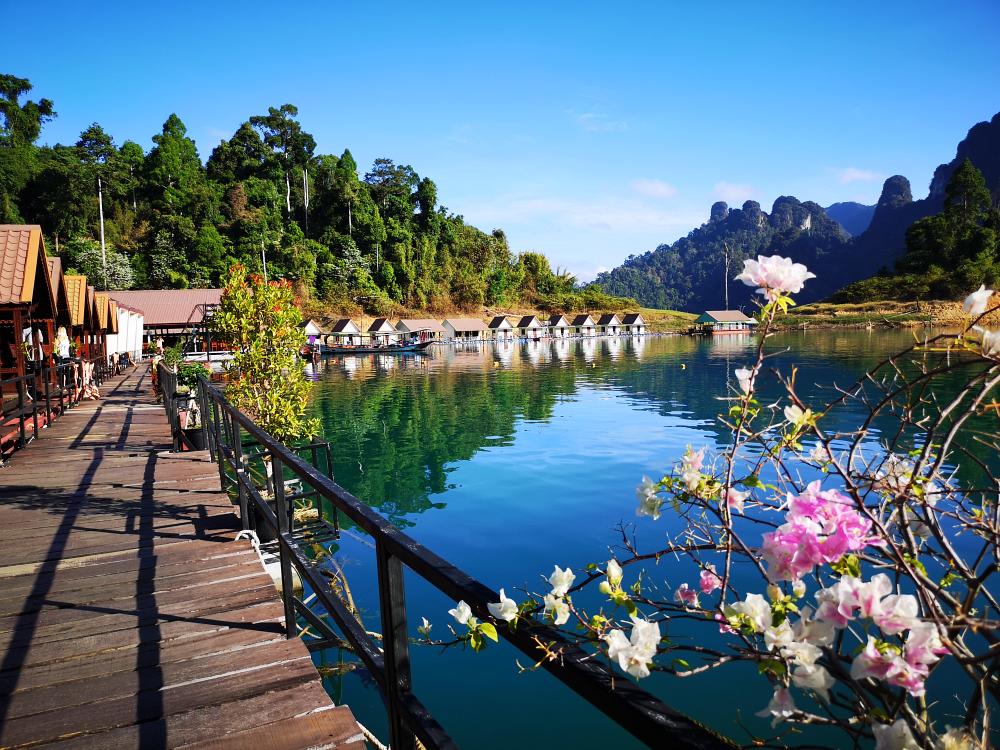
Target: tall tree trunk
point(305, 196)
point(350, 223)
point(288, 193)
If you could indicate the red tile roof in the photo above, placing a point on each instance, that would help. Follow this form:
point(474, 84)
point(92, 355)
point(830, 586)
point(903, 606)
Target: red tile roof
point(16, 261)
point(169, 308)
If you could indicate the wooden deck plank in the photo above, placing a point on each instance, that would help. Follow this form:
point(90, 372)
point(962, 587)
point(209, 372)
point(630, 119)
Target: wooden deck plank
point(129, 616)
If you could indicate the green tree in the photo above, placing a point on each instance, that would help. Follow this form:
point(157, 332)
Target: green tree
point(20, 126)
point(174, 174)
point(83, 255)
point(260, 322)
point(292, 147)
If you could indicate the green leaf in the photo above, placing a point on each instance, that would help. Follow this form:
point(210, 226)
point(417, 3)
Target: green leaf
point(489, 631)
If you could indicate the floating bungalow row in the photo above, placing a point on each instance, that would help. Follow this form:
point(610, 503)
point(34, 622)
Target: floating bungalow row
point(345, 332)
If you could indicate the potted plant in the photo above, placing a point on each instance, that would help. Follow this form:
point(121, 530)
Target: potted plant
point(189, 409)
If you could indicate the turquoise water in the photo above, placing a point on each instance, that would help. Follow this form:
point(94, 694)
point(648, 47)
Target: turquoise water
point(508, 459)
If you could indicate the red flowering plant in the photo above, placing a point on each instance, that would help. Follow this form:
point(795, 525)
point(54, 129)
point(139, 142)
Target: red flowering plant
point(849, 563)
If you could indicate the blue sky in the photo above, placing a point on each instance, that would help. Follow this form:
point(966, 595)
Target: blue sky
point(587, 131)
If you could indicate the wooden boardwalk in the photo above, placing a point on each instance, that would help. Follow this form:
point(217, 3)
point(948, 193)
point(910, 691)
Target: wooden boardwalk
point(129, 616)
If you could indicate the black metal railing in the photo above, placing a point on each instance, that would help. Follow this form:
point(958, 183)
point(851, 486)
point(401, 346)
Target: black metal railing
point(33, 400)
point(236, 443)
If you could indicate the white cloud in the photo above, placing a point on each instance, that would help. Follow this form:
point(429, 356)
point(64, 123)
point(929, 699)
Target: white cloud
point(610, 213)
point(653, 188)
point(594, 122)
point(732, 192)
point(853, 174)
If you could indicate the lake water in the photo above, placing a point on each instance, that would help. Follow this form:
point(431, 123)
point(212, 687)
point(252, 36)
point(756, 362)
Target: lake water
point(510, 458)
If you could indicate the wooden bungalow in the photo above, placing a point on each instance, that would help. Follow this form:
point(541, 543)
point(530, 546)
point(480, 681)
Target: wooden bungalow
point(501, 329)
point(28, 309)
point(421, 329)
point(382, 332)
point(464, 329)
point(528, 327)
point(64, 316)
point(558, 326)
point(582, 325)
point(98, 329)
point(103, 303)
point(724, 322)
point(609, 324)
point(633, 324)
point(76, 290)
point(343, 332)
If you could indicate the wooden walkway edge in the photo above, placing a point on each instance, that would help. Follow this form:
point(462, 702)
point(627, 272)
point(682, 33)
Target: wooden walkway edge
point(129, 616)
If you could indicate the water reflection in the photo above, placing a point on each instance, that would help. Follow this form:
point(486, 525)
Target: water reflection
point(398, 424)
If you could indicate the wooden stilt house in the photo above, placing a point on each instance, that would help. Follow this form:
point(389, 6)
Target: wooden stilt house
point(27, 303)
point(76, 290)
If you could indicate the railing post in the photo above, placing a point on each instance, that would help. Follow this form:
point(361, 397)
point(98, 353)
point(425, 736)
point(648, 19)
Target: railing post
point(240, 468)
point(22, 441)
point(284, 527)
point(34, 406)
point(392, 607)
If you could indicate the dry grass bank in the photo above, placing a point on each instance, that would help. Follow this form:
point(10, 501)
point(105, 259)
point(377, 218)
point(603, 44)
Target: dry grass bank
point(944, 313)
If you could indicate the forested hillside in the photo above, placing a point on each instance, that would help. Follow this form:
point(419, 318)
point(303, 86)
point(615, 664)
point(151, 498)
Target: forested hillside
point(379, 241)
point(690, 273)
point(936, 257)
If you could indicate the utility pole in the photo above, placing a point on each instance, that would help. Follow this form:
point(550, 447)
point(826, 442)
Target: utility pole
point(726, 246)
point(100, 210)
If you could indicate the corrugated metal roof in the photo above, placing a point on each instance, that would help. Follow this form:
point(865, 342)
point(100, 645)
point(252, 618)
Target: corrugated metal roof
point(526, 322)
point(341, 325)
point(608, 319)
point(559, 321)
point(582, 320)
point(418, 324)
point(16, 260)
point(499, 320)
point(381, 325)
point(631, 319)
point(169, 308)
point(723, 316)
point(466, 324)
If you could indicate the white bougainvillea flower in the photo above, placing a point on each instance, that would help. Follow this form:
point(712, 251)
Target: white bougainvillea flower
point(794, 414)
point(425, 626)
point(894, 737)
point(505, 609)
point(975, 304)
point(561, 580)
point(650, 503)
point(461, 613)
point(780, 707)
point(774, 275)
point(755, 608)
point(614, 572)
point(691, 463)
point(990, 344)
point(558, 608)
point(745, 377)
point(820, 454)
point(636, 654)
point(814, 677)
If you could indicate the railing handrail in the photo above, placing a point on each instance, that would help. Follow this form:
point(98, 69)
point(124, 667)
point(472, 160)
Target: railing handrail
point(636, 710)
